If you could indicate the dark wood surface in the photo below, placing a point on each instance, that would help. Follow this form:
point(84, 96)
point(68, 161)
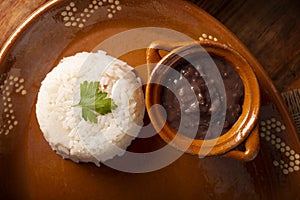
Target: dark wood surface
point(270, 29)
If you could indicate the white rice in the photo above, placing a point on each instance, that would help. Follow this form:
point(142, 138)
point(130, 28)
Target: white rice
point(62, 124)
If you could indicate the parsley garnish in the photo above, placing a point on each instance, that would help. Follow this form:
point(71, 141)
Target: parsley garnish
point(94, 102)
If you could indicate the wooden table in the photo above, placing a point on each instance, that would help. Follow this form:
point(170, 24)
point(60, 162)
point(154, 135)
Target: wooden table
point(270, 29)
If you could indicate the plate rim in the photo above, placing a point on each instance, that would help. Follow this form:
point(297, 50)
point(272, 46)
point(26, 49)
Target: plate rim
point(272, 90)
point(23, 26)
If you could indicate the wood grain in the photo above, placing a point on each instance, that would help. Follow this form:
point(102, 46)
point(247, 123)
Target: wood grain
point(270, 29)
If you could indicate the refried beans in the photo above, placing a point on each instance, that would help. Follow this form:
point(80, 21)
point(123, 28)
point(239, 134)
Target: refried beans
point(207, 97)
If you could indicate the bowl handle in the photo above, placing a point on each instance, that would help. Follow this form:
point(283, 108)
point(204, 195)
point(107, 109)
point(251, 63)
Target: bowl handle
point(153, 55)
point(251, 145)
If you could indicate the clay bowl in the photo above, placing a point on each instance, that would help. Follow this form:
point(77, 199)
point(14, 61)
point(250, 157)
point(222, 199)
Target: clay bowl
point(245, 129)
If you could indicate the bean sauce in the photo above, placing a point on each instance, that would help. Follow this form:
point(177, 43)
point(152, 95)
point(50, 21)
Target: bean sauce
point(192, 91)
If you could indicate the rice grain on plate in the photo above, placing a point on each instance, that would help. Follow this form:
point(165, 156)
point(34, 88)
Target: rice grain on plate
point(62, 123)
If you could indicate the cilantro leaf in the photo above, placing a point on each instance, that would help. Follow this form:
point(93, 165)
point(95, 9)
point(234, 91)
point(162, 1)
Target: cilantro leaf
point(94, 102)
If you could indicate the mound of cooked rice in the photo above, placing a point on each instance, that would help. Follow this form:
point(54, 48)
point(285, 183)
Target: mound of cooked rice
point(61, 122)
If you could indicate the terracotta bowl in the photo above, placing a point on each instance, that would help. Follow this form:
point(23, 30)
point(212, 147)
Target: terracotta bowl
point(245, 128)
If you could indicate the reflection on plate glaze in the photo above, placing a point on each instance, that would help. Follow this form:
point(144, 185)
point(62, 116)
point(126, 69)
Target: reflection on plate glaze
point(10, 83)
point(268, 130)
point(205, 36)
point(73, 17)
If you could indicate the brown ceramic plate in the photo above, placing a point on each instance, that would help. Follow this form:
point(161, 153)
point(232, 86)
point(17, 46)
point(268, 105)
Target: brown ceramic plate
point(29, 169)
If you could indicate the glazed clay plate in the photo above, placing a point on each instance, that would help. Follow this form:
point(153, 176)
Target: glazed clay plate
point(30, 169)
